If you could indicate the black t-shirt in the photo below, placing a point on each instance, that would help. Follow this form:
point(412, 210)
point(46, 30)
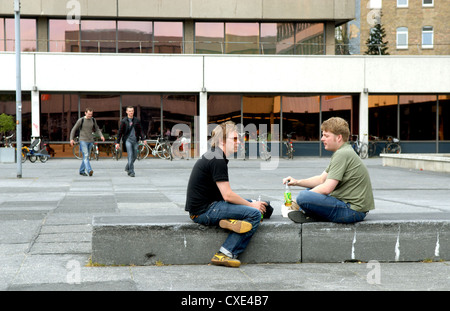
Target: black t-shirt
point(202, 189)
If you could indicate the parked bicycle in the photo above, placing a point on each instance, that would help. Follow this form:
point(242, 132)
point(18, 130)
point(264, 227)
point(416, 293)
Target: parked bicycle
point(161, 149)
point(264, 151)
point(93, 154)
point(35, 152)
point(289, 146)
point(116, 150)
point(361, 148)
point(392, 145)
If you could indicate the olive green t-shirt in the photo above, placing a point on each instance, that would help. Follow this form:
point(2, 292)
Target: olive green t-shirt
point(354, 185)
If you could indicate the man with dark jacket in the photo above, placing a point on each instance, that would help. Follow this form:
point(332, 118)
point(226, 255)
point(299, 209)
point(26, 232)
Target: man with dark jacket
point(130, 131)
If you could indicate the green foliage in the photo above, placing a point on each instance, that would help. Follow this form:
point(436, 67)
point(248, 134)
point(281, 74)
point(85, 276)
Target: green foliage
point(6, 124)
point(375, 43)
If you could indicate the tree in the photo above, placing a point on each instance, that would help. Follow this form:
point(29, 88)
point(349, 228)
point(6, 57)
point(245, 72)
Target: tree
point(6, 124)
point(375, 43)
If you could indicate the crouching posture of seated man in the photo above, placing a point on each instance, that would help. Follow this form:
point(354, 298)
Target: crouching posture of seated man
point(211, 202)
point(343, 192)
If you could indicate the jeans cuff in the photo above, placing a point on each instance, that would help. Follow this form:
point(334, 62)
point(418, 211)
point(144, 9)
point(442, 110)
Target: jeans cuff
point(226, 252)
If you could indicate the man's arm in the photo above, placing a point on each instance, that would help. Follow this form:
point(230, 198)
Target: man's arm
point(231, 197)
point(319, 183)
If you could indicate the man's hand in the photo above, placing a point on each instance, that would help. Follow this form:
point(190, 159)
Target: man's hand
point(72, 142)
point(290, 181)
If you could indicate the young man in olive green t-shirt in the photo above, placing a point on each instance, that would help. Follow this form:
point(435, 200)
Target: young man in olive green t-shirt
point(343, 192)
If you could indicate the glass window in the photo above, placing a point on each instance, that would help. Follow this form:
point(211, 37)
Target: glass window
point(382, 116)
point(2, 35)
point(28, 34)
point(444, 118)
point(98, 36)
point(309, 39)
point(209, 38)
point(147, 109)
point(241, 38)
point(339, 106)
point(301, 117)
point(106, 111)
point(427, 37)
point(402, 3)
point(426, 3)
point(135, 36)
point(179, 109)
point(402, 38)
point(260, 111)
point(222, 108)
point(417, 117)
point(8, 106)
point(277, 38)
point(59, 113)
point(168, 37)
point(63, 37)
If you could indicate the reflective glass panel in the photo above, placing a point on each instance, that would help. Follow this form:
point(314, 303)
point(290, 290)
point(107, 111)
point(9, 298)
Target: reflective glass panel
point(135, 36)
point(106, 113)
point(178, 116)
point(309, 39)
point(261, 111)
point(168, 37)
point(382, 116)
point(277, 38)
point(209, 38)
point(242, 38)
point(417, 117)
point(222, 108)
point(148, 109)
point(98, 36)
point(444, 118)
point(301, 117)
point(63, 37)
point(2, 34)
point(8, 106)
point(27, 34)
point(340, 106)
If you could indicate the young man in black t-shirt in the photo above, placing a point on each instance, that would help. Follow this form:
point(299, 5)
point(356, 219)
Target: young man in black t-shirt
point(210, 200)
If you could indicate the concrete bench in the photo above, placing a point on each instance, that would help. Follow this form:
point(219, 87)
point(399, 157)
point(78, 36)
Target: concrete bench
point(148, 240)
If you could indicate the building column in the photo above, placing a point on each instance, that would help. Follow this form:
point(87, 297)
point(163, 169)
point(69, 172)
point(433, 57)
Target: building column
point(203, 123)
point(364, 116)
point(35, 114)
point(330, 44)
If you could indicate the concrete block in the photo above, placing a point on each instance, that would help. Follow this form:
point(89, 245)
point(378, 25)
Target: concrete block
point(386, 241)
point(7, 155)
point(127, 240)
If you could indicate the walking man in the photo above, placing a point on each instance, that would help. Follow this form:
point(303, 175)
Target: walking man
point(343, 192)
point(211, 202)
point(130, 131)
point(85, 127)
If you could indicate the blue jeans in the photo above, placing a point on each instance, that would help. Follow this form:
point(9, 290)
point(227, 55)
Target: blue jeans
point(327, 208)
point(235, 243)
point(85, 148)
point(132, 150)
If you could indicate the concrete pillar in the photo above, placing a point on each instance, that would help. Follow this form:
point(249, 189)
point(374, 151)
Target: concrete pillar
point(364, 116)
point(42, 34)
point(35, 114)
point(203, 123)
point(189, 37)
point(330, 45)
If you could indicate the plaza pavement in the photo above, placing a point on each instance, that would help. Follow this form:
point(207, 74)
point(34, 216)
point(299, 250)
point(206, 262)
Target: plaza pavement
point(46, 226)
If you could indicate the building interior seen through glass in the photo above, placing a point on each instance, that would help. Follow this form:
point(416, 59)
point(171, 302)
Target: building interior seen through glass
point(419, 121)
point(28, 34)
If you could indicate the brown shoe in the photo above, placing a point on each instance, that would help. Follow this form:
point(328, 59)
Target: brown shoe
point(220, 259)
point(238, 226)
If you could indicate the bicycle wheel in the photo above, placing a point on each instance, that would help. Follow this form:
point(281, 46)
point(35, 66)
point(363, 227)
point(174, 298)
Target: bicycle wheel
point(363, 151)
point(162, 151)
point(43, 158)
point(142, 151)
point(393, 148)
point(77, 152)
point(32, 158)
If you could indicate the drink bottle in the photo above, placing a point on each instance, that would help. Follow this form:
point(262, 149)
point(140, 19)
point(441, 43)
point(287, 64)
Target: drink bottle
point(287, 196)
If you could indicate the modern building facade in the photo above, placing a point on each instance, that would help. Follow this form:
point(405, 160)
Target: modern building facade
point(185, 64)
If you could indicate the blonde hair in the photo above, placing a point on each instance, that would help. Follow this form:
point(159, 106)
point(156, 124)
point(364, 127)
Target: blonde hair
point(337, 126)
point(221, 131)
